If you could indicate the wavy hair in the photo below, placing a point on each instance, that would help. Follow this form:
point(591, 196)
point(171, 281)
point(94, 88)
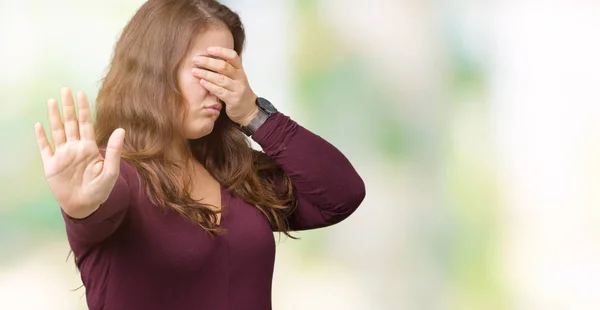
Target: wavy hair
point(140, 94)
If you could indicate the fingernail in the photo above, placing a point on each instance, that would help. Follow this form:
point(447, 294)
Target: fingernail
point(197, 59)
point(196, 71)
point(212, 49)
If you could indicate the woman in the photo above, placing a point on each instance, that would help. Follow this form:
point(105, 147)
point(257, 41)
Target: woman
point(175, 210)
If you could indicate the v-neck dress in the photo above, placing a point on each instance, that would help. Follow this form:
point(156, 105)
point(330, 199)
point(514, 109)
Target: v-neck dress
point(134, 255)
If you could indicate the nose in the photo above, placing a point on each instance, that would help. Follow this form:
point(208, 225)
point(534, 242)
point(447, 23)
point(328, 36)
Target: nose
point(215, 99)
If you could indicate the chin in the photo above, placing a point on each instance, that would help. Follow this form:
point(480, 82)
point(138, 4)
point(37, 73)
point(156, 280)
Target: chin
point(199, 132)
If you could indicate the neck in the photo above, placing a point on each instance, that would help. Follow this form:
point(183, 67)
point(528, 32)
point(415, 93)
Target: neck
point(179, 154)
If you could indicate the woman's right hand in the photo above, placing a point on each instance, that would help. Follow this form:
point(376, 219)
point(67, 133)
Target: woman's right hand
point(78, 176)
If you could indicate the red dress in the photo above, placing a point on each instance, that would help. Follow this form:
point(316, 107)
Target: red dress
point(134, 256)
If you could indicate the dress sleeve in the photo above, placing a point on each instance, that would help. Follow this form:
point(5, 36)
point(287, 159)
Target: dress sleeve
point(328, 187)
point(89, 231)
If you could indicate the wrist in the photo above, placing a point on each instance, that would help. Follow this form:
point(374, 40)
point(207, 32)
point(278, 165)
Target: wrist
point(79, 213)
point(263, 110)
point(246, 120)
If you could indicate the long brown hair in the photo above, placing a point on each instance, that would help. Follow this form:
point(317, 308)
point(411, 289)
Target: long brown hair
point(140, 94)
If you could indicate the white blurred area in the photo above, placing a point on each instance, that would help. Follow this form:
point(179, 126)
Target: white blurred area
point(543, 73)
point(546, 99)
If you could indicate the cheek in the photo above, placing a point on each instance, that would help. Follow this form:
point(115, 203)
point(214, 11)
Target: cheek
point(195, 93)
point(191, 88)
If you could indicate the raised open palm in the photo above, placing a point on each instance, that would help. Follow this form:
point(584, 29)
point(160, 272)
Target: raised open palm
point(78, 176)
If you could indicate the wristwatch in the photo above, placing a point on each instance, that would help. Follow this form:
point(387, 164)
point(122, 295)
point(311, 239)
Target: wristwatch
point(265, 109)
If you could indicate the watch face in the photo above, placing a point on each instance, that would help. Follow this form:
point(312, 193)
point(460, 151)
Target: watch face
point(265, 105)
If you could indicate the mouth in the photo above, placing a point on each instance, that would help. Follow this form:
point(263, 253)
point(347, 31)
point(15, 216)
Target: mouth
point(214, 109)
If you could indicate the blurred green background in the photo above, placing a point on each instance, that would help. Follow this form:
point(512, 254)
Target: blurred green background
point(475, 124)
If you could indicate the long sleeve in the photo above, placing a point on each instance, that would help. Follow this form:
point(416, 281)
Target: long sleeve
point(86, 232)
point(328, 188)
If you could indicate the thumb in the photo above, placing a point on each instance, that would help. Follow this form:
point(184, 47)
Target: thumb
point(112, 158)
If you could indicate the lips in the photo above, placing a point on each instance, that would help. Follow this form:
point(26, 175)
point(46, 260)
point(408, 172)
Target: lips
point(216, 106)
point(214, 109)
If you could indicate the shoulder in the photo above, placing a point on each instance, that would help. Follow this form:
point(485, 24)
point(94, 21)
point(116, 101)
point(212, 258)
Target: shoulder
point(128, 171)
point(132, 177)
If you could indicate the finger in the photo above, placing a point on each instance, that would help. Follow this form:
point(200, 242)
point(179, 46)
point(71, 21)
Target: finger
point(112, 158)
point(42, 142)
point(227, 54)
point(86, 127)
point(216, 90)
point(71, 127)
point(215, 78)
point(56, 125)
point(215, 65)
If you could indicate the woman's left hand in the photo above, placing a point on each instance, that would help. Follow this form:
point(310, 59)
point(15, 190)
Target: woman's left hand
point(228, 82)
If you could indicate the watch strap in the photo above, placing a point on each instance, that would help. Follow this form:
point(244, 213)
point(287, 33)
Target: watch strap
point(258, 120)
point(265, 109)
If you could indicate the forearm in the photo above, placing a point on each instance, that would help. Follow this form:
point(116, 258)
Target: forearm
point(318, 170)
